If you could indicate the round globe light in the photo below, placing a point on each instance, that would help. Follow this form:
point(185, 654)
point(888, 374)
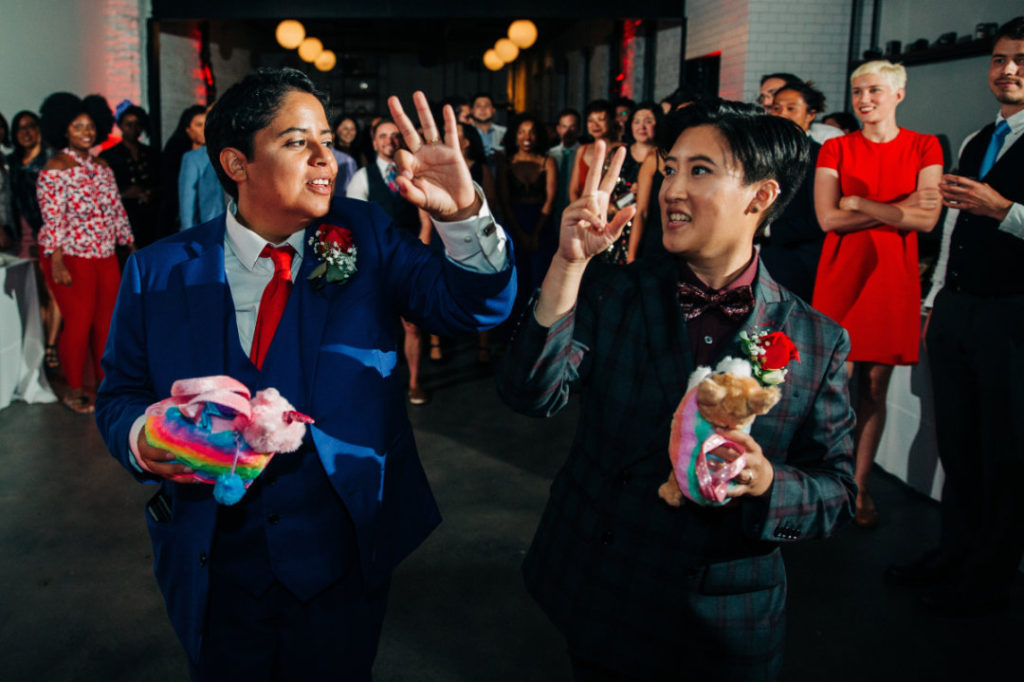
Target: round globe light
point(310, 49)
point(506, 49)
point(523, 33)
point(290, 34)
point(492, 61)
point(326, 60)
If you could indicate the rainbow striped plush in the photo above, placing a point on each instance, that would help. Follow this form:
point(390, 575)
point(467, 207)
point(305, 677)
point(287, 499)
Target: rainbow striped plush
point(209, 454)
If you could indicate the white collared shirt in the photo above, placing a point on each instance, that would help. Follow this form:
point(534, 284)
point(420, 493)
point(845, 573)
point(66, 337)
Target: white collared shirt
point(1013, 223)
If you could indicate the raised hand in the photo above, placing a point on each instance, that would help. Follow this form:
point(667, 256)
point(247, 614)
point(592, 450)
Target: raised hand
point(585, 230)
point(434, 175)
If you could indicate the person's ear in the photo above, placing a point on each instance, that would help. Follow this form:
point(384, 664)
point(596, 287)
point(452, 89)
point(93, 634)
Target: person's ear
point(900, 94)
point(233, 162)
point(766, 193)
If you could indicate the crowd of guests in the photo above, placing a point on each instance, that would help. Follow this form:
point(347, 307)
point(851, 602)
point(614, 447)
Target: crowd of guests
point(847, 243)
point(529, 171)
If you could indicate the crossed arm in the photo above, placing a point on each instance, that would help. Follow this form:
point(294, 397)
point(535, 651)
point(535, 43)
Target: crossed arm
point(837, 213)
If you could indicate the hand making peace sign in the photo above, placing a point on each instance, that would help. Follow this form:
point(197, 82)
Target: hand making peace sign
point(585, 230)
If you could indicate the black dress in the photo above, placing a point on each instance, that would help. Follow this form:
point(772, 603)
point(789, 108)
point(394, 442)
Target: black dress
point(143, 172)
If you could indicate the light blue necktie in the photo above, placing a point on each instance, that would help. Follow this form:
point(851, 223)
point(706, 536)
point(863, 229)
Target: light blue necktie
point(994, 145)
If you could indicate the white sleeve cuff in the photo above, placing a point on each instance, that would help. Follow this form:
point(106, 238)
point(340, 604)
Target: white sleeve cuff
point(1014, 221)
point(133, 443)
point(477, 243)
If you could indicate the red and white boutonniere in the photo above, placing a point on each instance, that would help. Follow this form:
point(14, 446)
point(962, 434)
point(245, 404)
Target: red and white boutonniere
point(769, 353)
point(337, 254)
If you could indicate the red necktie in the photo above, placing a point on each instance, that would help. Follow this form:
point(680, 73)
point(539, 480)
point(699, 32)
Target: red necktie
point(274, 299)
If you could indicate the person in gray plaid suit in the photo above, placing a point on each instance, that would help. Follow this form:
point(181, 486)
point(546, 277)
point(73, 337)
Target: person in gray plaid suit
point(642, 590)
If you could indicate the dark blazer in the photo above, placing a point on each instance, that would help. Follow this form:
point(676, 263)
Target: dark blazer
point(169, 324)
point(638, 586)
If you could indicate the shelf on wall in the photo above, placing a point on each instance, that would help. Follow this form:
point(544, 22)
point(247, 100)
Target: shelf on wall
point(941, 53)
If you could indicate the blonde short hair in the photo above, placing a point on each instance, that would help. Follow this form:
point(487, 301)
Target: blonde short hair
point(894, 73)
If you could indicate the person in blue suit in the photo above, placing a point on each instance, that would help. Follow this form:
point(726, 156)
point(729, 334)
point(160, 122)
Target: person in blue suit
point(291, 582)
point(199, 193)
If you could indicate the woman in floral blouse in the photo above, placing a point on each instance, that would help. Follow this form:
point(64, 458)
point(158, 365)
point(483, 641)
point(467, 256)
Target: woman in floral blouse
point(83, 219)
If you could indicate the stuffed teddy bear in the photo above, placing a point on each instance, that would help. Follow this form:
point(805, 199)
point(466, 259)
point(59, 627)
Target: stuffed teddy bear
point(212, 425)
point(728, 398)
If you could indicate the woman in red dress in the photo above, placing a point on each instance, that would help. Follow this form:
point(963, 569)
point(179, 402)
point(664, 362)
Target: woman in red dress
point(874, 190)
point(83, 218)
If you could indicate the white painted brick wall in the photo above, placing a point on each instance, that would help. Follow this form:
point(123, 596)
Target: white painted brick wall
point(806, 37)
point(667, 44)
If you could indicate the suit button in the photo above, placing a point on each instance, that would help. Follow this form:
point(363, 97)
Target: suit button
point(624, 478)
point(202, 558)
point(607, 537)
point(273, 519)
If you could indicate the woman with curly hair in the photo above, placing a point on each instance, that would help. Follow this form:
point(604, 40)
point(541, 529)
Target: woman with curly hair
point(83, 219)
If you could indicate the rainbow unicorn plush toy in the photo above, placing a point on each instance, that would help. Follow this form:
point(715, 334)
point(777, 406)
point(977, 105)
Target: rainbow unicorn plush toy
point(213, 425)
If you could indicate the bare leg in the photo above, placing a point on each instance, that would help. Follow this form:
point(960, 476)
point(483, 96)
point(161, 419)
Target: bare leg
point(412, 348)
point(871, 412)
point(435, 348)
point(483, 354)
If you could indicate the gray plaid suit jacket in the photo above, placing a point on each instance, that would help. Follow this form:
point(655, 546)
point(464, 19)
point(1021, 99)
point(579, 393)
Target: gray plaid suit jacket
point(638, 586)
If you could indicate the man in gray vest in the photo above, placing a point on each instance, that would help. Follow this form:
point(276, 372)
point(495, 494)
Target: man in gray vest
point(974, 336)
point(378, 182)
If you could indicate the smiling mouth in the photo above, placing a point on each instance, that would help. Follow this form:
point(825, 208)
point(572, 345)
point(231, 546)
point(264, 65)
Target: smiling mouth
point(678, 217)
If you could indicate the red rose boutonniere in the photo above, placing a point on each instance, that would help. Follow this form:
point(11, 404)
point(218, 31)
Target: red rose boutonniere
point(769, 353)
point(337, 255)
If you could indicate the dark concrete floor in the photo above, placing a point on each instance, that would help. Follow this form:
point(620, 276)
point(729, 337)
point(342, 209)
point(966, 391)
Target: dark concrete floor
point(78, 600)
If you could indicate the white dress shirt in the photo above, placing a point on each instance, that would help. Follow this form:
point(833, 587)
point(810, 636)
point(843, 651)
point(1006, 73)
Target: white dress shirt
point(1013, 223)
point(359, 185)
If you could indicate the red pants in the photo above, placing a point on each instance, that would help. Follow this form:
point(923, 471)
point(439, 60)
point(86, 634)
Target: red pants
point(87, 306)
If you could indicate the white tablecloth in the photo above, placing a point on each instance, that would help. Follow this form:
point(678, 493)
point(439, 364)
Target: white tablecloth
point(21, 336)
point(908, 448)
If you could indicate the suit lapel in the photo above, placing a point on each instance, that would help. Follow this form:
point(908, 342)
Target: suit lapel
point(667, 335)
point(314, 309)
point(207, 299)
point(769, 314)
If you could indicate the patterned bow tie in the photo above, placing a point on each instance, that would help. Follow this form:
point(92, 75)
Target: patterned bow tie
point(735, 303)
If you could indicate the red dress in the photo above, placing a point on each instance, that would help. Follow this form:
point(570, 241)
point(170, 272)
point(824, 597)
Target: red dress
point(868, 280)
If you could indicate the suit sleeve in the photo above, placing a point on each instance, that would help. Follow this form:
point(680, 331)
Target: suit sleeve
point(435, 293)
point(543, 365)
point(188, 197)
point(127, 388)
point(813, 491)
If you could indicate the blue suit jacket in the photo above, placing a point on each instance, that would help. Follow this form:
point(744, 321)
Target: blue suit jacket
point(200, 197)
point(169, 324)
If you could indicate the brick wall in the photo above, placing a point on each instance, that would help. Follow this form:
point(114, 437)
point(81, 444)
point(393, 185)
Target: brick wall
point(806, 37)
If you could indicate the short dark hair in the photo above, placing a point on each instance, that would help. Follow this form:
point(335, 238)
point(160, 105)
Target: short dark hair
point(61, 108)
point(814, 98)
point(248, 107)
point(1013, 29)
point(6, 137)
point(539, 130)
point(624, 102)
point(378, 124)
point(788, 77)
point(569, 112)
point(652, 107)
point(768, 147)
point(139, 113)
point(847, 121)
point(479, 95)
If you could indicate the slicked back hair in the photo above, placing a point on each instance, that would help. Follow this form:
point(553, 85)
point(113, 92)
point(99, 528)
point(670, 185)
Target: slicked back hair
point(248, 107)
point(767, 147)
